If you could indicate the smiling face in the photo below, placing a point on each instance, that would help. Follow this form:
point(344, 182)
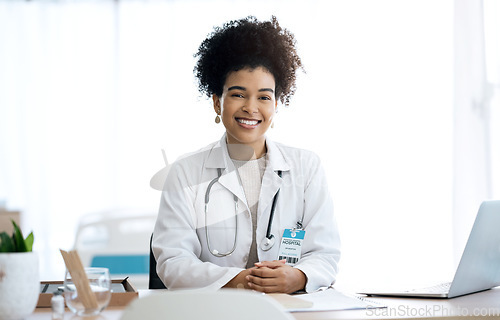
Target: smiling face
point(247, 106)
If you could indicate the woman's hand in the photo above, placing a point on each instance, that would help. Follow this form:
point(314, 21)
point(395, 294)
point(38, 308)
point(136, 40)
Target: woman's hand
point(275, 276)
point(239, 281)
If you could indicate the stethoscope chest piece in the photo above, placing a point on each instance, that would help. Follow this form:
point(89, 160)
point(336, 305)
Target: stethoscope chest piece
point(267, 243)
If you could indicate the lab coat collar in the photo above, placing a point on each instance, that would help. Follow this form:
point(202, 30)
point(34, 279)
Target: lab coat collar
point(219, 157)
point(277, 161)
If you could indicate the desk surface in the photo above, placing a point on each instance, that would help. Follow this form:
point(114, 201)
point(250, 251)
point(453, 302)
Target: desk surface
point(485, 304)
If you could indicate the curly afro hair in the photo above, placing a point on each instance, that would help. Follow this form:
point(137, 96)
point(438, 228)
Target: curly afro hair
point(248, 43)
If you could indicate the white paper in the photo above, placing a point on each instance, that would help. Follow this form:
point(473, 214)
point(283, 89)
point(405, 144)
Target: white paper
point(326, 300)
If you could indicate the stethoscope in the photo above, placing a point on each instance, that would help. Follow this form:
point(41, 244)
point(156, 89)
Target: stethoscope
point(266, 244)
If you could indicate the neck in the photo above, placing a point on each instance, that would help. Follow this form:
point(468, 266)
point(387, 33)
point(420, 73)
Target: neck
point(245, 152)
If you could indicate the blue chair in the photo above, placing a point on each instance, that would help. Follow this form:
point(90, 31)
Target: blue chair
point(122, 264)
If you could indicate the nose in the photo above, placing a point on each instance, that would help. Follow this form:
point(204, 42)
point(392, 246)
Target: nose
point(250, 106)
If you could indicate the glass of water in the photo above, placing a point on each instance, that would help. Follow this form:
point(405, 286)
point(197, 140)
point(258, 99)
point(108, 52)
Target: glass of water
point(100, 285)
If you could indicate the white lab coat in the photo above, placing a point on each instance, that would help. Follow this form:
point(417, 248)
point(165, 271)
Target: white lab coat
point(180, 242)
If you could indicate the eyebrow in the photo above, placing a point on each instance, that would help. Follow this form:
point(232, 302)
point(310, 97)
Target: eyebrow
point(244, 89)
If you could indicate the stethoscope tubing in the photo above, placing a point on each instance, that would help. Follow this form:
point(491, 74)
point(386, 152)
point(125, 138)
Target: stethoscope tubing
point(269, 235)
point(207, 198)
point(266, 244)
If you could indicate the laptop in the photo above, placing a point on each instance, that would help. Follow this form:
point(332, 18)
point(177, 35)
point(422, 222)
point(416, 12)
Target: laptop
point(479, 267)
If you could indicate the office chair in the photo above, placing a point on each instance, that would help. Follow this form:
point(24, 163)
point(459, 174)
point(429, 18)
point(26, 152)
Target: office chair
point(154, 281)
point(225, 304)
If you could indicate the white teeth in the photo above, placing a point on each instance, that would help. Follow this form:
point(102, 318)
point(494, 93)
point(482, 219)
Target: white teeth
point(248, 122)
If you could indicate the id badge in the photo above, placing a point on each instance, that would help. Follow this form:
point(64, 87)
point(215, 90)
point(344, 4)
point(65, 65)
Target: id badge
point(291, 245)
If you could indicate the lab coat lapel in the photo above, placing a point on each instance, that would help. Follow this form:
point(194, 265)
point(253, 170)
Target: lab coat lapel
point(271, 182)
point(230, 180)
point(219, 158)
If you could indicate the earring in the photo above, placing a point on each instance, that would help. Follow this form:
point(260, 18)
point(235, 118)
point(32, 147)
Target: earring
point(217, 117)
point(275, 111)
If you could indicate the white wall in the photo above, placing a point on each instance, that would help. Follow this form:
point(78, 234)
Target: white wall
point(90, 92)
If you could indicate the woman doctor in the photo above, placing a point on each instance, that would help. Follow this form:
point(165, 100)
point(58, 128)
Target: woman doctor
point(247, 212)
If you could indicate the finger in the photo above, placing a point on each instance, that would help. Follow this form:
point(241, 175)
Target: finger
point(263, 272)
point(265, 289)
point(270, 264)
point(263, 282)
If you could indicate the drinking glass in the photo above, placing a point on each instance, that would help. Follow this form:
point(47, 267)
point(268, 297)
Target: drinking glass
point(100, 284)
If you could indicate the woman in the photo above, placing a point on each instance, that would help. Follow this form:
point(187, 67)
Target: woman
point(245, 212)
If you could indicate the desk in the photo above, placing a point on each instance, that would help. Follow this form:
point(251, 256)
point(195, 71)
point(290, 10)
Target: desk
point(486, 303)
